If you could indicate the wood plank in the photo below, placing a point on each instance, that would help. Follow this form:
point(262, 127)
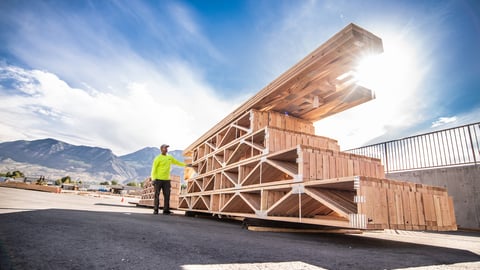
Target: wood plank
point(313, 166)
point(429, 210)
point(295, 230)
point(332, 167)
point(413, 210)
point(319, 165)
point(420, 211)
point(305, 164)
point(407, 215)
point(453, 225)
point(438, 211)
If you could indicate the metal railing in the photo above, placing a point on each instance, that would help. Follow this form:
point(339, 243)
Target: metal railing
point(443, 148)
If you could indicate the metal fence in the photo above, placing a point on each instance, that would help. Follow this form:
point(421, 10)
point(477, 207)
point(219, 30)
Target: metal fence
point(448, 147)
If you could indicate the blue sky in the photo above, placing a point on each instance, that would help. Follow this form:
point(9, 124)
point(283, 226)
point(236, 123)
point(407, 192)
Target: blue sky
point(129, 74)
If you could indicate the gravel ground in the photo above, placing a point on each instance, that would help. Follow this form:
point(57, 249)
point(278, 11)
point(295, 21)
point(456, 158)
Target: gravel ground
point(67, 231)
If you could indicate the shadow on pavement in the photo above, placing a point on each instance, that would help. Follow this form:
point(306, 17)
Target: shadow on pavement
point(116, 205)
point(69, 239)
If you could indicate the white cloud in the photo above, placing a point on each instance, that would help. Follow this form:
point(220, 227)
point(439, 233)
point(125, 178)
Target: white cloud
point(92, 85)
point(466, 118)
point(444, 120)
point(137, 117)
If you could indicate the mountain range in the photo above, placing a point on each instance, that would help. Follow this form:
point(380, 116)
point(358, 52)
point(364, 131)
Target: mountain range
point(55, 159)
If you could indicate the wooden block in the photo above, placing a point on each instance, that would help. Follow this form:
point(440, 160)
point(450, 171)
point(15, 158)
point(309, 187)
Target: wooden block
point(306, 165)
point(356, 167)
point(400, 220)
point(288, 140)
point(319, 165)
point(289, 123)
point(313, 166)
point(444, 210)
point(344, 167)
point(371, 200)
point(413, 209)
point(350, 168)
point(420, 210)
point(438, 210)
point(304, 139)
point(453, 225)
point(332, 167)
point(368, 204)
point(279, 123)
point(429, 210)
point(326, 166)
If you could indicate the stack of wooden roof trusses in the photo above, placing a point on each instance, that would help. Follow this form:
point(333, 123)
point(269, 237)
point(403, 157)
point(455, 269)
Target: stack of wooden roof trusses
point(265, 161)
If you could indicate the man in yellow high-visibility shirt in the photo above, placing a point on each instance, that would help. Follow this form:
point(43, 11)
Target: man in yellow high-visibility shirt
point(160, 177)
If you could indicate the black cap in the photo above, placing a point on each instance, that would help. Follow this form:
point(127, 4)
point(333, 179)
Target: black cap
point(164, 146)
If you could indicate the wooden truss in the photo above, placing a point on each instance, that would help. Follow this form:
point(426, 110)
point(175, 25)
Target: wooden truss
point(265, 161)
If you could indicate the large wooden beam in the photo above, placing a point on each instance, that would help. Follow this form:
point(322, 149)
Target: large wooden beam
point(318, 86)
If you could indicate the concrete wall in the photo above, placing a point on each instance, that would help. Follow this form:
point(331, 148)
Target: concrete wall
point(462, 183)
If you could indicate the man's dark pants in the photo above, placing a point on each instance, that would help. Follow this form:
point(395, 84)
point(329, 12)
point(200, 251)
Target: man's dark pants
point(164, 185)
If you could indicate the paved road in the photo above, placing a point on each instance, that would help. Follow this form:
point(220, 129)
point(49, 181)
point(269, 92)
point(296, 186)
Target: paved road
point(66, 231)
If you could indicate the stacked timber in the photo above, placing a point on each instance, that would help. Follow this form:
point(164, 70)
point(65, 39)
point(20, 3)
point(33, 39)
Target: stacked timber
point(21, 185)
point(279, 174)
point(265, 161)
point(148, 193)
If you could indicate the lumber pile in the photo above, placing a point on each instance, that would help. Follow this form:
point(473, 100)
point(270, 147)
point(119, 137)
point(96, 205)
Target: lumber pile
point(148, 193)
point(21, 185)
point(261, 171)
point(265, 161)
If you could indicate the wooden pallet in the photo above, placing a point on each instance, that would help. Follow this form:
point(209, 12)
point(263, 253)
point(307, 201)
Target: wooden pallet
point(265, 161)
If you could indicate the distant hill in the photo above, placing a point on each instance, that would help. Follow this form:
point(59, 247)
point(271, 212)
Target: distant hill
point(87, 163)
point(141, 160)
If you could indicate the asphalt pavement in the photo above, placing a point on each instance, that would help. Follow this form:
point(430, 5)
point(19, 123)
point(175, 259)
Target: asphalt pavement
point(67, 231)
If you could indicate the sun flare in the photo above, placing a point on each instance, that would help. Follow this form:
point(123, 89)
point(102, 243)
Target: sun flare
point(392, 71)
point(395, 76)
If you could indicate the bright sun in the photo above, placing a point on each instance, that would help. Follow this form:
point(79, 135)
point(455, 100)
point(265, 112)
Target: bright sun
point(391, 73)
point(395, 76)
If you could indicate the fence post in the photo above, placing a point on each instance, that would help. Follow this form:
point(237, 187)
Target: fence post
point(386, 156)
point(473, 146)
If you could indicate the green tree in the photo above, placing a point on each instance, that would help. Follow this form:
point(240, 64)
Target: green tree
point(66, 180)
point(132, 184)
point(58, 182)
point(114, 182)
point(104, 183)
point(14, 174)
point(41, 181)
